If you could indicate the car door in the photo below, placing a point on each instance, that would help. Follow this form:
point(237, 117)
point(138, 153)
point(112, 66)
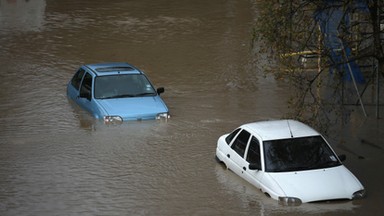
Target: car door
point(236, 156)
point(253, 158)
point(85, 99)
point(73, 86)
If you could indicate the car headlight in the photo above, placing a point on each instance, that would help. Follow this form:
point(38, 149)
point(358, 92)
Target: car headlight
point(289, 201)
point(163, 116)
point(113, 120)
point(358, 194)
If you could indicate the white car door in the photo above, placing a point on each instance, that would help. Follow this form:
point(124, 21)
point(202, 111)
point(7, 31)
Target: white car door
point(236, 159)
point(253, 158)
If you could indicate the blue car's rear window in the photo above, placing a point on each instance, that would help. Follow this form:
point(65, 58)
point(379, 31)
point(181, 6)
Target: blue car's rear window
point(113, 69)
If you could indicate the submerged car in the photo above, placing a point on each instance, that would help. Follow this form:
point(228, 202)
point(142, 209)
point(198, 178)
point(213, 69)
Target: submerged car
point(116, 92)
point(289, 161)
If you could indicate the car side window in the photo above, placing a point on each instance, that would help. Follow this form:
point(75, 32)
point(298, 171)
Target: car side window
point(77, 78)
point(253, 154)
point(229, 138)
point(240, 143)
point(86, 86)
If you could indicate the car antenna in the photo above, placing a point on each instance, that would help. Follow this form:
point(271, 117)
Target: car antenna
point(289, 126)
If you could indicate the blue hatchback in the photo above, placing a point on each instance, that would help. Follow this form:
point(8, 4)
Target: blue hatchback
point(116, 92)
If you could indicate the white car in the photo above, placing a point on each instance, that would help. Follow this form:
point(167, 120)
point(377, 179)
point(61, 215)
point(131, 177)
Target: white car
point(289, 161)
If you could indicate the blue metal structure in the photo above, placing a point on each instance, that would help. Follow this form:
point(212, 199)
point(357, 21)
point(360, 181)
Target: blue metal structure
point(331, 17)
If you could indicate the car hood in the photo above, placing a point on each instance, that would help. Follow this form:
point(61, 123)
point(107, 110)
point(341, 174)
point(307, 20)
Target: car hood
point(134, 108)
point(318, 185)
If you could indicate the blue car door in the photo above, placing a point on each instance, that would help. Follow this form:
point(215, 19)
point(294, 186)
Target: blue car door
point(85, 98)
point(74, 85)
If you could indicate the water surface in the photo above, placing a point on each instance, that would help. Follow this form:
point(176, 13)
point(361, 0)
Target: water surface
point(55, 159)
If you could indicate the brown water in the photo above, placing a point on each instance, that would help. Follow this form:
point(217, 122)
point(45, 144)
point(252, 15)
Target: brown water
point(55, 159)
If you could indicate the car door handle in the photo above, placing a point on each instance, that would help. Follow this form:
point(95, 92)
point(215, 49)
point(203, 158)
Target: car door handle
point(228, 155)
point(245, 169)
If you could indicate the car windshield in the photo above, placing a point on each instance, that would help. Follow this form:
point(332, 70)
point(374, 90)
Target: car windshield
point(297, 154)
point(123, 85)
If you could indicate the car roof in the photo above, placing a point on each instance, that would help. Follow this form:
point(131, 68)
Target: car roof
point(112, 68)
point(280, 129)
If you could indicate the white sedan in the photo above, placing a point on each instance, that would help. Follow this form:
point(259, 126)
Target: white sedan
point(289, 161)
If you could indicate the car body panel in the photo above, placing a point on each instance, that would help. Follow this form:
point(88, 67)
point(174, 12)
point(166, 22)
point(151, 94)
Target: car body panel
point(268, 130)
point(134, 108)
point(314, 185)
point(310, 185)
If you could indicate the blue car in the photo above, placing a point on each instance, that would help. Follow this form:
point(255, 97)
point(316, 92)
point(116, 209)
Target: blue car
point(116, 92)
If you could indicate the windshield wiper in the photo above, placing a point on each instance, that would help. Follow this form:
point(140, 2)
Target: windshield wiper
point(329, 164)
point(296, 168)
point(119, 96)
point(144, 93)
point(129, 95)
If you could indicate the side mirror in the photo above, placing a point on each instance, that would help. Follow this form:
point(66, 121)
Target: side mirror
point(342, 157)
point(160, 90)
point(254, 166)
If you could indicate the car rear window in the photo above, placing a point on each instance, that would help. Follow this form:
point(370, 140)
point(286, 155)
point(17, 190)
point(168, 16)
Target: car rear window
point(229, 138)
point(113, 69)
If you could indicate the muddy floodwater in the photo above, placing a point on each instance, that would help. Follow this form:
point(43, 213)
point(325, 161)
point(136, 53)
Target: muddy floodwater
point(55, 159)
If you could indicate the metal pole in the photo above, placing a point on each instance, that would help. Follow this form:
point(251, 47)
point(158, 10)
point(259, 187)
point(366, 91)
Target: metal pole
point(377, 91)
point(381, 25)
point(353, 78)
point(357, 90)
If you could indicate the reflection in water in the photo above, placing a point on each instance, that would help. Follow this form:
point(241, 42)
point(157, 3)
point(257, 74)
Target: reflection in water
point(55, 159)
point(22, 15)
